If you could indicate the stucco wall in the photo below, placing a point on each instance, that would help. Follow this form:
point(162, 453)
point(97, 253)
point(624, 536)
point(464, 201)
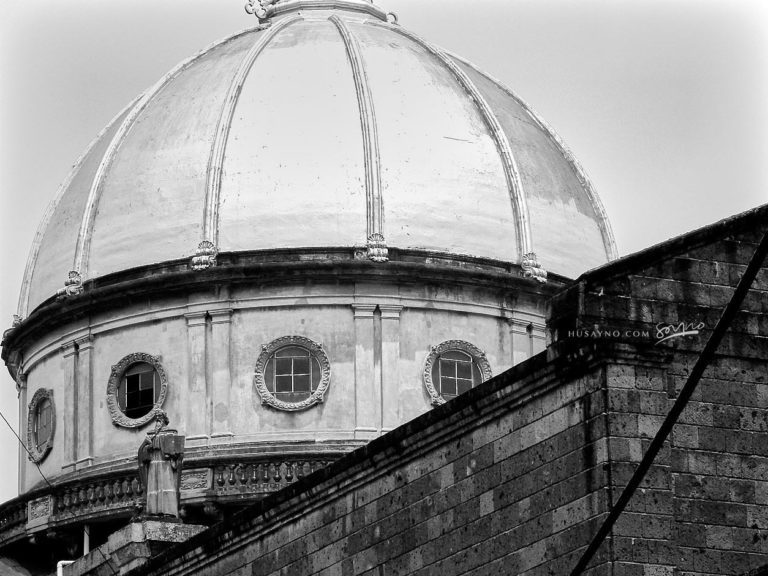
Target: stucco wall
point(376, 335)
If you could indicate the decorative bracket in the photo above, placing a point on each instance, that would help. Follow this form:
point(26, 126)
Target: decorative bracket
point(377, 248)
point(73, 285)
point(205, 257)
point(532, 268)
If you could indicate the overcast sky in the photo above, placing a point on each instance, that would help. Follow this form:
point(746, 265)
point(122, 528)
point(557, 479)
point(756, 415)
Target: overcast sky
point(662, 101)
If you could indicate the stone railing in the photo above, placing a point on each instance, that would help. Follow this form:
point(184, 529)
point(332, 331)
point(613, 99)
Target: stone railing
point(265, 476)
point(13, 519)
point(119, 493)
point(86, 498)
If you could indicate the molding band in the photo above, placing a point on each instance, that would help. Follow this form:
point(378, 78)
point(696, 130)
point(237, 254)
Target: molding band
point(377, 250)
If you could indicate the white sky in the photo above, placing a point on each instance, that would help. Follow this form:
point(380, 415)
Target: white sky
point(664, 102)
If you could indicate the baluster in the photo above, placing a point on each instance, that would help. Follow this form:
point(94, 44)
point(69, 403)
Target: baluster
point(220, 475)
point(277, 475)
point(265, 475)
point(254, 473)
point(289, 471)
point(231, 478)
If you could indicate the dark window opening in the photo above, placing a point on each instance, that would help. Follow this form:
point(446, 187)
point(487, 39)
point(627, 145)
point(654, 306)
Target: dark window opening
point(43, 424)
point(139, 390)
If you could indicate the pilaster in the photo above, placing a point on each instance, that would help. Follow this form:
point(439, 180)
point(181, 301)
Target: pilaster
point(196, 415)
point(390, 361)
point(221, 381)
point(367, 394)
point(70, 396)
point(84, 401)
point(21, 388)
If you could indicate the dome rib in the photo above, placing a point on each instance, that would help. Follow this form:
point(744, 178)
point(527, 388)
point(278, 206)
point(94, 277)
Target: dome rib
point(511, 171)
point(23, 306)
point(82, 250)
point(210, 241)
point(372, 160)
point(603, 222)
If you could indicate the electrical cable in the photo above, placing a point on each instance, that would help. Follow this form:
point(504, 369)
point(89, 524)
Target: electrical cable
point(98, 548)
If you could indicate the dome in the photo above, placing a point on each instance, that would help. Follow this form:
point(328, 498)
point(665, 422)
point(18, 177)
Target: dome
point(388, 142)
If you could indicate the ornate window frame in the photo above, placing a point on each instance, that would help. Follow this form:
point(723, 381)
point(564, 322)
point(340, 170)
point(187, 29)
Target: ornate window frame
point(315, 349)
point(118, 370)
point(36, 454)
point(478, 356)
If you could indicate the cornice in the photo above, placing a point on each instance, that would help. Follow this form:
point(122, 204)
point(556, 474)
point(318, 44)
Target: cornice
point(275, 267)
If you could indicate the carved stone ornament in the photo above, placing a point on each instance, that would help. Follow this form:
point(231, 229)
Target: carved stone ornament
point(377, 248)
point(197, 479)
point(205, 257)
point(38, 453)
point(118, 370)
point(73, 285)
point(262, 9)
point(315, 350)
point(532, 268)
point(478, 357)
point(40, 508)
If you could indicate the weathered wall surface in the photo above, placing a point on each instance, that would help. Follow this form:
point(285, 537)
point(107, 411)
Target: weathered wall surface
point(705, 507)
point(515, 475)
point(377, 337)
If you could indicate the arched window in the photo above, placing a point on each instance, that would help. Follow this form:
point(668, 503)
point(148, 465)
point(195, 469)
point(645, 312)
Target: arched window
point(41, 424)
point(137, 387)
point(452, 368)
point(292, 373)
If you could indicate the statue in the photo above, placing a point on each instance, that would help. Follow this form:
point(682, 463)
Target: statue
point(160, 460)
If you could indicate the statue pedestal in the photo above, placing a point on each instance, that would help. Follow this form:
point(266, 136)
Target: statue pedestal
point(132, 546)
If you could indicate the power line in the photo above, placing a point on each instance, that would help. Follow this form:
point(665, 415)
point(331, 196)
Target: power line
point(34, 461)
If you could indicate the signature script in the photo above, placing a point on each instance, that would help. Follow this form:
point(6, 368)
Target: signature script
point(669, 331)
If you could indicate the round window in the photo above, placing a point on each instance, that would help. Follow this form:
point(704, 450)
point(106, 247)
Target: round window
point(292, 373)
point(137, 387)
point(41, 425)
point(452, 368)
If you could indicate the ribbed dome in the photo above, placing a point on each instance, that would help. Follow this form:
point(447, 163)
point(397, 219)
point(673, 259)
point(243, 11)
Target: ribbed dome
point(329, 127)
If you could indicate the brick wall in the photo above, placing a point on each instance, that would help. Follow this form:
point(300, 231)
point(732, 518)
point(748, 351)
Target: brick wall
point(515, 476)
